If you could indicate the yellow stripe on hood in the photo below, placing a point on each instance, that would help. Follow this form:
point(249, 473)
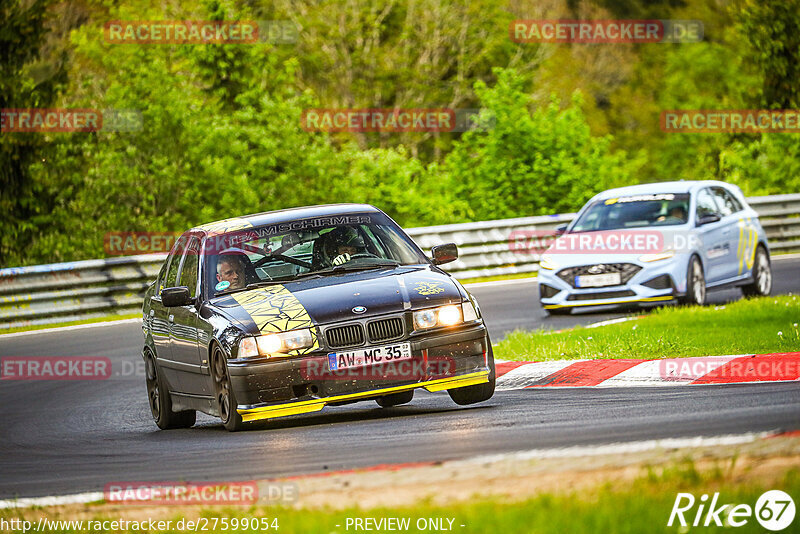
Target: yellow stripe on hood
point(276, 309)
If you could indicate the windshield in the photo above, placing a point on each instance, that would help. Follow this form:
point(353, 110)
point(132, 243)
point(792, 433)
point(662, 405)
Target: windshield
point(635, 211)
point(304, 248)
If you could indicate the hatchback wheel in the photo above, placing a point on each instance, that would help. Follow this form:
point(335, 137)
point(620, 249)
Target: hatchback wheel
point(695, 283)
point(762, 276)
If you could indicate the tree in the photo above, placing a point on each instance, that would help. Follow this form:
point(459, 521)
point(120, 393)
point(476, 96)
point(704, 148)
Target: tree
point(25, 82)
point(531, 163)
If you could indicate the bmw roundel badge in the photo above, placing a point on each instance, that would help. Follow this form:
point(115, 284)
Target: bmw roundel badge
point(359, 309)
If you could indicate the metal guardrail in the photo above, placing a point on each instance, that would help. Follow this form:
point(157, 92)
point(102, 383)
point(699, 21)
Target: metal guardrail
point(60, 292)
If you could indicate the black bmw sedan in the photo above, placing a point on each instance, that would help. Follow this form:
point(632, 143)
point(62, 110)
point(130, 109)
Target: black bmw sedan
point(285, 312)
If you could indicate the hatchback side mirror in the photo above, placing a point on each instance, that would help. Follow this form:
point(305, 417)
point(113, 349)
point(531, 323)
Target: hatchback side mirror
point(561, 229)
point(175, 296)
point(444, 253)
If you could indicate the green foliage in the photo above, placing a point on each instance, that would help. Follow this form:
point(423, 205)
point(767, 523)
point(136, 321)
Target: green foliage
point(222, 135)
point(26, 81)
point(768, 165)
point(531, 163)
point(772, 30)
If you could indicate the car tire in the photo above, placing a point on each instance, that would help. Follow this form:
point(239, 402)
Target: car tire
point(695, 283)
point(160, 400)
point(395, 399)
point(762, 276)
point(225, 397)
point(480, 392)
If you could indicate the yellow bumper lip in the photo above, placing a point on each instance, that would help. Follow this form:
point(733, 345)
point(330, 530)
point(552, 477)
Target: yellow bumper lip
point(314, 405)
point(594, 303)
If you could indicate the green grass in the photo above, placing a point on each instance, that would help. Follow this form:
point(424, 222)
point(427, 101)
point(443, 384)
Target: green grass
point(111, 317)
point(742, 327)
point(642, 506)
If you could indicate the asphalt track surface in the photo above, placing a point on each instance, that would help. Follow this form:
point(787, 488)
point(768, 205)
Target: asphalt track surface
point(64, 437)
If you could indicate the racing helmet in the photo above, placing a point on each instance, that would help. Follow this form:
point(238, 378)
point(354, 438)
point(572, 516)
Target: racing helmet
point(345, 236)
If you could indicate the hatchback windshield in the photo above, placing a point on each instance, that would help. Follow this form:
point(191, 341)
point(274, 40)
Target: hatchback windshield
point(634, 211)
point(307, 247)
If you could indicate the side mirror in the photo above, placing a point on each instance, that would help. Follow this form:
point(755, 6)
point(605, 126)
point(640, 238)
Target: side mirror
point(708, 219)
point(561, 229)
point(444, 253)
point(175, 296)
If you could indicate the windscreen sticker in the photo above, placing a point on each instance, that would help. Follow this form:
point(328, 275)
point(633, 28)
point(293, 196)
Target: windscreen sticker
point(640, 198)
point(222, 286)
point(319, 222)
point(276, 309)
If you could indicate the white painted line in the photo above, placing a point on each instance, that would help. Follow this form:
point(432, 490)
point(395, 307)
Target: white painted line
point(78, 498)
point(619, 448)
point(792, 256)
point(68, 328)
point(613, 321)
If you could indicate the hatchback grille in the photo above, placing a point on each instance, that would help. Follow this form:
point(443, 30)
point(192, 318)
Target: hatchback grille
point(626, 271)
point(345, 336)
point(385, 329)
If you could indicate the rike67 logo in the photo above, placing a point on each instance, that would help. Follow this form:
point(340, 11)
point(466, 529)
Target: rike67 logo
point(774, 510)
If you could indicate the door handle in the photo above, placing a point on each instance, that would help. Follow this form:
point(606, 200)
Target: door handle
point(152, 313)
point(171, 318)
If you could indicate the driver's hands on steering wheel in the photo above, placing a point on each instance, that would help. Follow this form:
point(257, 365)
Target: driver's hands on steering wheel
point(341, 258)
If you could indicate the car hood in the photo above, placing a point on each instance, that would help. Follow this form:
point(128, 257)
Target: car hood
point(332, 298)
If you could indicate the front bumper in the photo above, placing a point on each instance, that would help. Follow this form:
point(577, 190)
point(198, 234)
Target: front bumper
point(282, 387)
point(634, 291)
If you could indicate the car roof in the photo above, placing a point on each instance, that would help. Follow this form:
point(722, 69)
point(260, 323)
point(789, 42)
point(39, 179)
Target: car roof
point(682, 186)
point(286, 215)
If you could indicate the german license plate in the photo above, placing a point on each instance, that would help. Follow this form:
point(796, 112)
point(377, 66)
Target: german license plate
point(369, 356)
point(598, 280)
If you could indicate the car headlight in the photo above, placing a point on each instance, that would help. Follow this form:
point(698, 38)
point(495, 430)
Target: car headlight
point(546, 262)
point(449, 315)
point(277, 343)
point(658, 256)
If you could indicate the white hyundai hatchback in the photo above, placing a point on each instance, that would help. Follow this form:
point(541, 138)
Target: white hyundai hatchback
point(656, 243)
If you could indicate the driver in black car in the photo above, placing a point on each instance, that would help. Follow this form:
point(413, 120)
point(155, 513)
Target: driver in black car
point(230, 268)
point(346, 243)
